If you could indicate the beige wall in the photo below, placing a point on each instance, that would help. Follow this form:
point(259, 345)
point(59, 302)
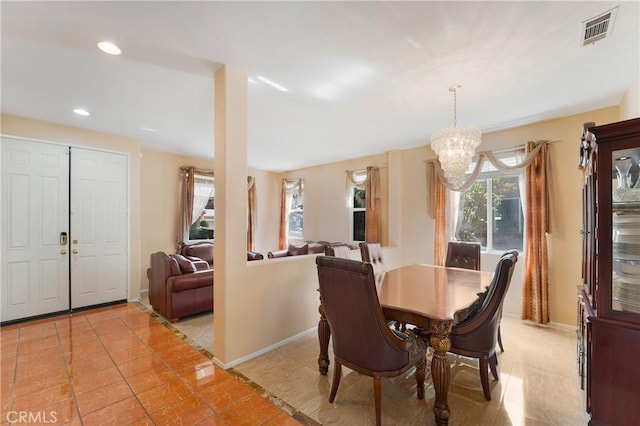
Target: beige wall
point(630, 104)
point(17, 126)
point(326, 216)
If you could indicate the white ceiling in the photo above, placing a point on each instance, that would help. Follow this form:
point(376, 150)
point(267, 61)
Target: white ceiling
point(363, 77)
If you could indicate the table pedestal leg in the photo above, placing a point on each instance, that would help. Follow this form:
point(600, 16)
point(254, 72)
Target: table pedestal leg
point(440, 369)
point(324, 333)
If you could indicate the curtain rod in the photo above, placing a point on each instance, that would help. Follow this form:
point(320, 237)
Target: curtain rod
point(365, 169)
point(500, 151)
point(196, 170)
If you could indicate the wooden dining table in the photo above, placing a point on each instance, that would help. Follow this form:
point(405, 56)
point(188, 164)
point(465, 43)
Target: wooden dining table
point(433, 298)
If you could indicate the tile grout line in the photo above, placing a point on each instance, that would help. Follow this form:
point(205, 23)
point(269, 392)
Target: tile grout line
point(66, 369)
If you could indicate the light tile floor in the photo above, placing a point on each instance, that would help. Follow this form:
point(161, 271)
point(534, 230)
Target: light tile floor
point(538, 385)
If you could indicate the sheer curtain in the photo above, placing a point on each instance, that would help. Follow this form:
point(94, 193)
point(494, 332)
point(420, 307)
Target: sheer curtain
point(289, 186)
point(202, 192)
point(372, 185)
point(196, 187)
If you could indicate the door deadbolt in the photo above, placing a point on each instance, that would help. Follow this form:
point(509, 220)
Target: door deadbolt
point(63, 238)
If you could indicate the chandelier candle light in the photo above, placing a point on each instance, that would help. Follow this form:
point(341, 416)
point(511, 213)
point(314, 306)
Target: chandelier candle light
point(455, 146)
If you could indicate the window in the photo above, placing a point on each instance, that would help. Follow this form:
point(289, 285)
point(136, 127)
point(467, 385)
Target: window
point(291, 212)
point(203, 208)
point(358, 208)
point(490, 210)
point(295, 224)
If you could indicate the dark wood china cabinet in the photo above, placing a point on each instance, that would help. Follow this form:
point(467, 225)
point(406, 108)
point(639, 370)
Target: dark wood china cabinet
point(609, 295)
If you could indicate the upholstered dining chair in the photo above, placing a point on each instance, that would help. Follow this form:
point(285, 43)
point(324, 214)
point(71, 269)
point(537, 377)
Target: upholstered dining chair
point(372, 253)
point(464, 254)
point(476, 336)
point(338, 250)
point(362, 341)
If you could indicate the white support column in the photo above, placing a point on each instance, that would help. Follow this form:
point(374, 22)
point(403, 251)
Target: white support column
point(230, 165)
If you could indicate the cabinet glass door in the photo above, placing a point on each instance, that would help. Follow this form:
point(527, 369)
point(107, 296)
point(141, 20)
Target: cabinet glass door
point(626, 230)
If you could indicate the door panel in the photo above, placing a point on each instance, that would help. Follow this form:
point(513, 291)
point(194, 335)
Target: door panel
point(35, 187)
point(99, 259)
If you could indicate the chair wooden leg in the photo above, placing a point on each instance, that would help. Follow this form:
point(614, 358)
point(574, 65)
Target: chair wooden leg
point(493, 364)
point(421, 368)
point(377, 390)
point(337, 374)
point(500, 340)
point(484, 376)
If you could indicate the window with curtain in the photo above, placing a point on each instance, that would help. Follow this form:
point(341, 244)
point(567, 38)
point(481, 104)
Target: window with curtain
point(358, 206)
point(197, 205)
point(291, 212)
point(203, 208)
point(295, 215)
point(490, 210)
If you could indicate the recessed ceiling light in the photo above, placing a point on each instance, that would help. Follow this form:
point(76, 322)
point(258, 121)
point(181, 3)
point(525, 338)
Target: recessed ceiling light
point(272, 84)
point(110, 48)
point(81, 111)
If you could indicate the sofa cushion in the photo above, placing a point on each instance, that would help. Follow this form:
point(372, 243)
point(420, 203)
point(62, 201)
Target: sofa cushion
point(174, 267)
point(202, 250)
point(316, 247)
point(186, 266)
point(296, 249)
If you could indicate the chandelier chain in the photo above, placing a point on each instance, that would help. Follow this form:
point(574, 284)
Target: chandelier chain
point(455, 108)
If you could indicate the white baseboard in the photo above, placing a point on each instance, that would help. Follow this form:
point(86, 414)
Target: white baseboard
point(263, 350)
point(551, 324)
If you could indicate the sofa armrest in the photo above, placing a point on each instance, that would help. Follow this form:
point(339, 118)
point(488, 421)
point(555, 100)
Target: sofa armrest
point(278, 253)
point(200, 265)
point(254, 255)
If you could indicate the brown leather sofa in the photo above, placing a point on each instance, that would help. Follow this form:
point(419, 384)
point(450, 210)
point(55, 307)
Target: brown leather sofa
point(182, 284)
point(304, 247)
point(204, 251)
point(179, 287)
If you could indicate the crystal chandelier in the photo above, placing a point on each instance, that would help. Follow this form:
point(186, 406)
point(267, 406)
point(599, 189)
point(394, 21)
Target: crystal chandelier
point(455, 146)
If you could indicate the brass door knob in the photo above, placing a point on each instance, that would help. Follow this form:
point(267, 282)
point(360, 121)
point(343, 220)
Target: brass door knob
point(63, 252)
point(74, 251)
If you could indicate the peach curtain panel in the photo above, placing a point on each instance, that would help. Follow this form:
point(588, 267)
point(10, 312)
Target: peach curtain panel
point(436, 208)
point(535, 299)
point(251, 214)
point(288, 186)
point(372, 216)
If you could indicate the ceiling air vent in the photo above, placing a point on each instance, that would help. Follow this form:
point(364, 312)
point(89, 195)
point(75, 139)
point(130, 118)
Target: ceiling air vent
point(598, 27)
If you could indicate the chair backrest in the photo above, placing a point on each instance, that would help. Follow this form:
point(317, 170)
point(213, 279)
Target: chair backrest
point(480, 330)
point(359, 331)
point(372, 253)
point(463, 254)
point(338, 250)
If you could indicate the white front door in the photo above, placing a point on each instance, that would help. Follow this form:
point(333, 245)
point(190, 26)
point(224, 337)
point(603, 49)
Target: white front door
point(99, 223)
point(35, 221)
